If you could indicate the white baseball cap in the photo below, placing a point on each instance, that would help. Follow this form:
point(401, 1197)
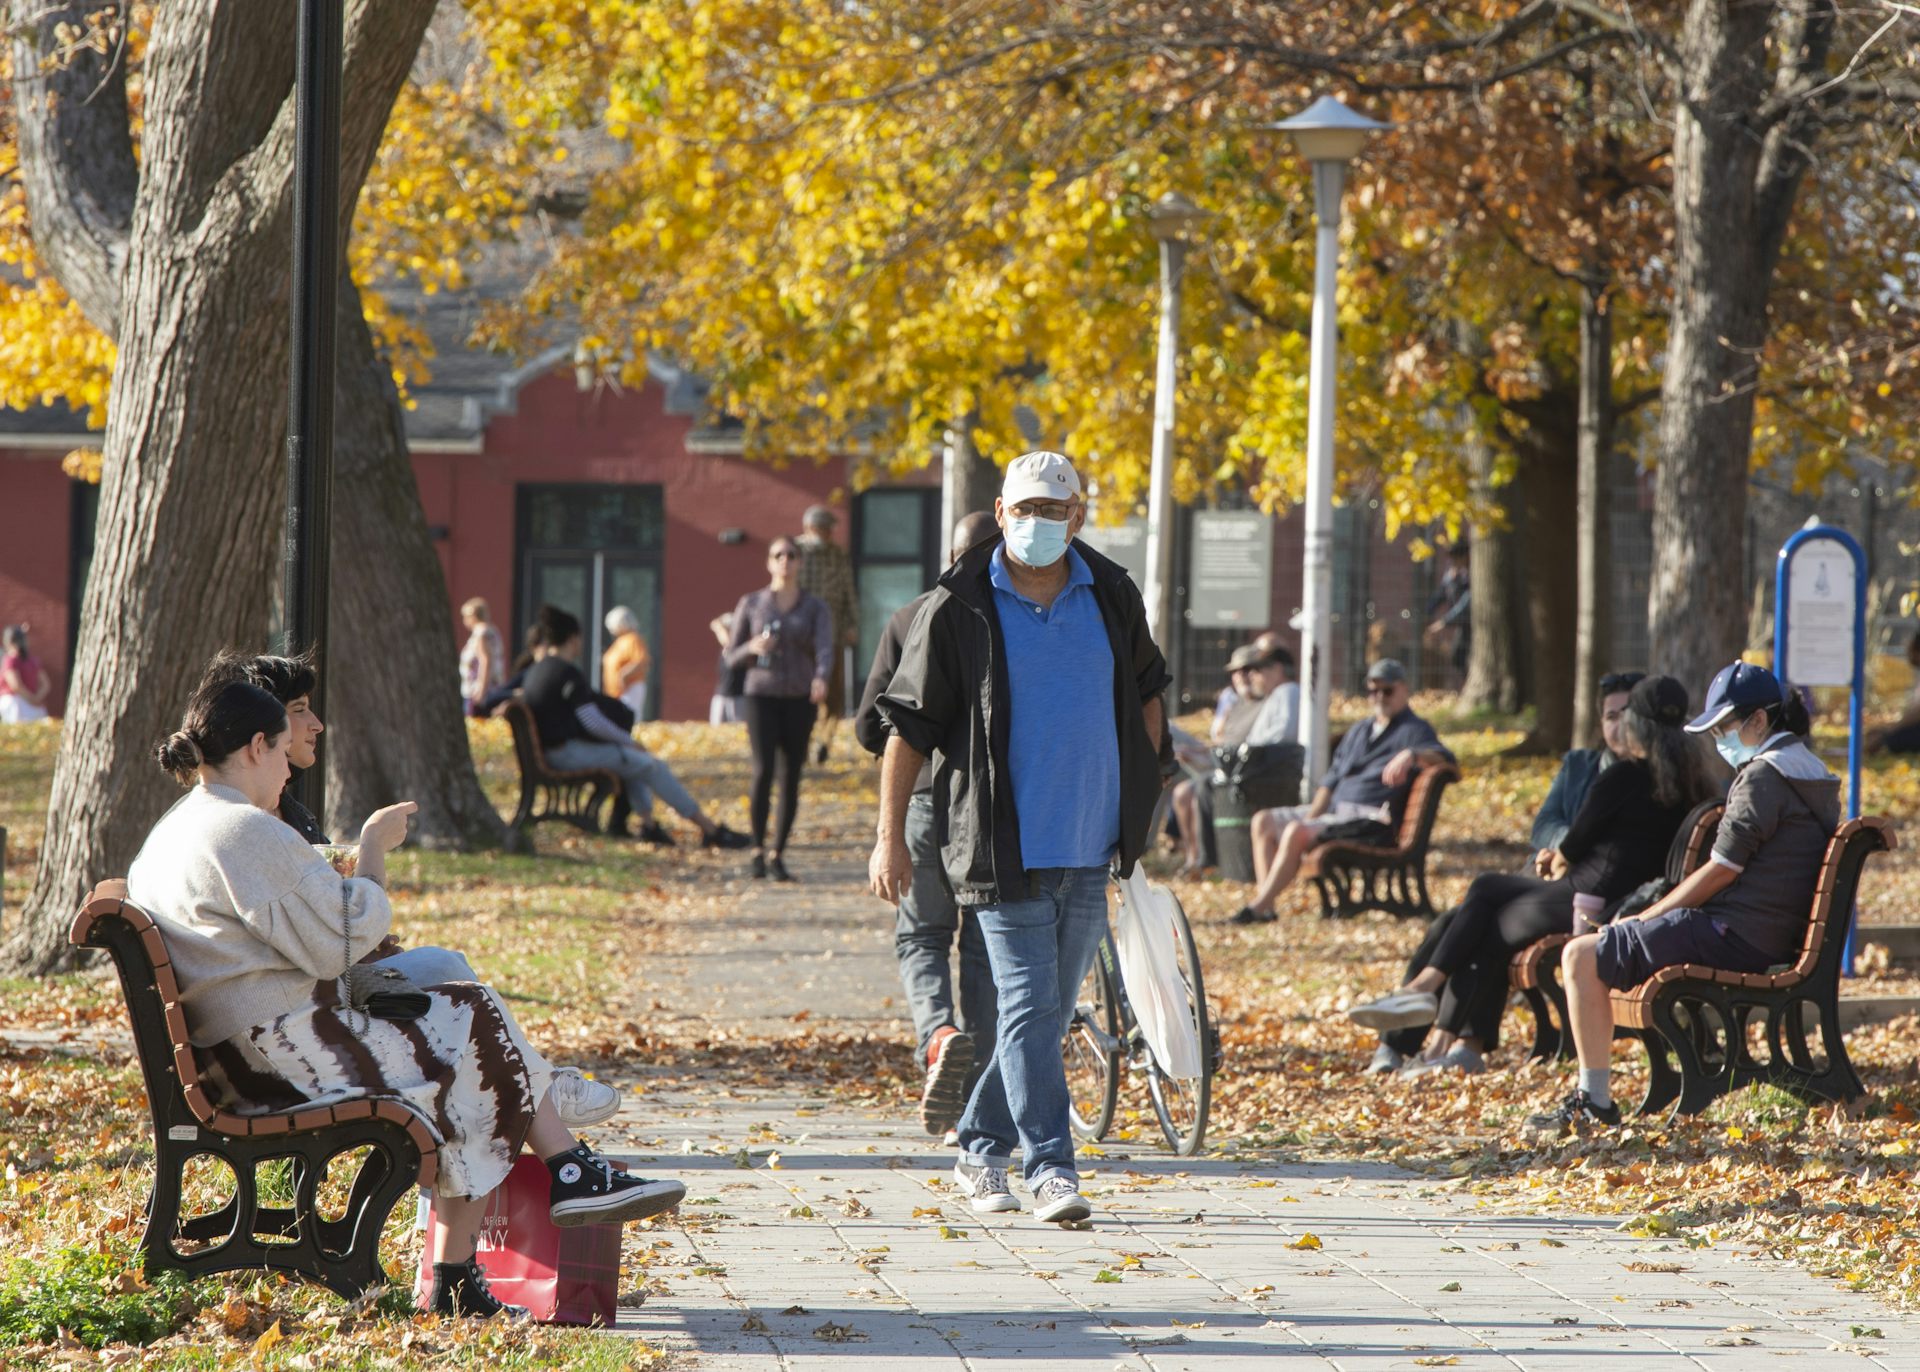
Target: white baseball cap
point(1039, 476)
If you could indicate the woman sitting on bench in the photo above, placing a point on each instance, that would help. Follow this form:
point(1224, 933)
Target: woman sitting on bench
point(1744, 911)
point(1618, 840)
point(261, 932)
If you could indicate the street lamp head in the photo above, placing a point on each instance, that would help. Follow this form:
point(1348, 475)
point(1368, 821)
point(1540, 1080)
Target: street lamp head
point(1328, 131)
point(1173, 215)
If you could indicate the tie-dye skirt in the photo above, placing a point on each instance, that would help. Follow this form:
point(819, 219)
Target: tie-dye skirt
point(464, 1065)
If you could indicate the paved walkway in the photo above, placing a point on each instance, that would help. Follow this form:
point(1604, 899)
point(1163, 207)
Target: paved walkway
point(818, 1238)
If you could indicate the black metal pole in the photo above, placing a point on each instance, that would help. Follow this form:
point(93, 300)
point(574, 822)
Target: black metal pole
point(316, 277)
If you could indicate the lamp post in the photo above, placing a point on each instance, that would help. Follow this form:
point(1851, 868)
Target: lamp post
point(1328, 135)
point(1172, 215)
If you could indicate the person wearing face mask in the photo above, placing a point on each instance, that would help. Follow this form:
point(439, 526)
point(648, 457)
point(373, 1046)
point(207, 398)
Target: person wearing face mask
point(1743, 911)
point(1030, 678)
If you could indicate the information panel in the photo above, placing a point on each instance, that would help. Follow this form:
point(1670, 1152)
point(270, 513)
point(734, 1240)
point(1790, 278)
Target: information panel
point(1820, 613)
point(1230, 569)
point(1125, 543)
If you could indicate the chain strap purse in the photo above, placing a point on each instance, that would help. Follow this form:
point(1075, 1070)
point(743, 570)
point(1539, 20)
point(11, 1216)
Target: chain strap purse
point(381, 992)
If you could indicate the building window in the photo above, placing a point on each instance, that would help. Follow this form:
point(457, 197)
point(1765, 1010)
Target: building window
point(895, 557)
point(83, 519)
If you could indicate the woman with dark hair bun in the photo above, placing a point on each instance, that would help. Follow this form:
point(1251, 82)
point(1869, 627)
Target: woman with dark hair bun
point(1618, 840)
point(262, 933)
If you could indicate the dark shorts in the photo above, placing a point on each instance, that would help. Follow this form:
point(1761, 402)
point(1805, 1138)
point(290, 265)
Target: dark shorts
point(1368, 833)
point(1632, 950)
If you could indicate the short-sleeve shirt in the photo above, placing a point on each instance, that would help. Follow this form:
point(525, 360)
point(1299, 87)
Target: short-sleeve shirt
point(554, 688)
point(1063, 747)
point(628, 652)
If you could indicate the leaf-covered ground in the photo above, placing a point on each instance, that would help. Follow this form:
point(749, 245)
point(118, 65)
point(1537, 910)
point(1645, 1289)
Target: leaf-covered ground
point(568, 934)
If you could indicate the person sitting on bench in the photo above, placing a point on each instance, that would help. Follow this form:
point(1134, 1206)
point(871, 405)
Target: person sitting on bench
point(261, 932)
point(1268, 712)
point(1618, 840)
point(578, 736)
point(1361, 797)
point(1743, 911)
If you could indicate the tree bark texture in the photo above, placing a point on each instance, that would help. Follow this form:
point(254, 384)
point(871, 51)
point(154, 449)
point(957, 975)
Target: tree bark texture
point(190, 503)
point(1542, 499)
point(1735, 179)
point(393, 676)
point(1593, 631)
point(1493, 658)
point(975, 480)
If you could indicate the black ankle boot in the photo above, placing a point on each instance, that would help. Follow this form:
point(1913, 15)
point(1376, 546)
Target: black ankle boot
point(459, 1288)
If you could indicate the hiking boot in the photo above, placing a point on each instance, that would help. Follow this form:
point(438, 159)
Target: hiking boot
point(757, 869)
point(460, 1288)
point(581, 1101)
point(1058, 1201)
point(587, 1189)
point(1574, 1114)
point(985, 1187)
point(1246, 914)
point(1386, 1058)
point(722, 837)
point(949, 1059)
point(777, 868)
point(1401, 1010)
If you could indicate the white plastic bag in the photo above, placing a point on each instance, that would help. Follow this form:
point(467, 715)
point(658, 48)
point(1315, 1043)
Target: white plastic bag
point(1144, 935)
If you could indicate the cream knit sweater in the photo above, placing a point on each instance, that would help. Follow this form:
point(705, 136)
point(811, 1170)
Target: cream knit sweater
point(253, 916)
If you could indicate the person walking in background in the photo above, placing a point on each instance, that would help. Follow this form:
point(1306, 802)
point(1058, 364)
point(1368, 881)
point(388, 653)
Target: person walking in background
point(954, 1049)
point(728, 682)
point(1031, 678)
point(483, 661)
point(1450, 608)
point(827, 572)
point(23, 681)
point(577, 735)
point(783, 636)
point(624, 666)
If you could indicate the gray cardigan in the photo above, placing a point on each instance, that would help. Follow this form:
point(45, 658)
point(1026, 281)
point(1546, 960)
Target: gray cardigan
point(252, 914)
point(802, 651)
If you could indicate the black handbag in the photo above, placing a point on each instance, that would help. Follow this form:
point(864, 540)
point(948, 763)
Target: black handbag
point(372, 989)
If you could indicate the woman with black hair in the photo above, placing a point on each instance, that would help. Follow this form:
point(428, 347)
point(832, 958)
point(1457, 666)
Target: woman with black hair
point(1745, 910)
point(262, 933)
point(1618, 840)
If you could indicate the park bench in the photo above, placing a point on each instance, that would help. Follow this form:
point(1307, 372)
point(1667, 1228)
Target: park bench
point(547, 793)
point(340, 1251)
point(1355, 877)
point(1535, 970)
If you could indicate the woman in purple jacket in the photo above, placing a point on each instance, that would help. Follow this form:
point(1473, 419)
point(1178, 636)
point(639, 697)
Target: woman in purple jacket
point(783, 636)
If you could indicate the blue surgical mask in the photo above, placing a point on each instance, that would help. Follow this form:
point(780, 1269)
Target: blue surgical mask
point(1737, 753)
point(1037, 542)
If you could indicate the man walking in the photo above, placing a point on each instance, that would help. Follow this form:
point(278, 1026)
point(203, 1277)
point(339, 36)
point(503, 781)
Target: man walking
point(954, 1049)
point(827, 571)
point(1031, 678)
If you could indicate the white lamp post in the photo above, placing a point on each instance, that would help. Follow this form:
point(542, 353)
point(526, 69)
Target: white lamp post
point(1172, 215)
point(1328, 135)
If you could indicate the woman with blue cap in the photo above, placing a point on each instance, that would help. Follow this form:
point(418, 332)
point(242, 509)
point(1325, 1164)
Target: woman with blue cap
point(1743, 911)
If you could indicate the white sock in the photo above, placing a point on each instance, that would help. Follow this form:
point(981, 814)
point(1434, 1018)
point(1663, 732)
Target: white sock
point(1593, 1080)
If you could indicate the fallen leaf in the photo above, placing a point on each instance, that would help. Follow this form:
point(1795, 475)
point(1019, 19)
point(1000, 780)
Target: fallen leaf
point(1668, 1267)
point(1103, 1275)
point(1307, 1243)
point(1451, 1286)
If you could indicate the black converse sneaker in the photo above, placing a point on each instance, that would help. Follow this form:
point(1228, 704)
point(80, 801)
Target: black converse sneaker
point(460, 1288)
point(587, 1189)
point(1572, 1115)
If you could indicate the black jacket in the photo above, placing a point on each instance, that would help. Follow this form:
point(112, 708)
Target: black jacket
point(948, 700)
point(869, 725)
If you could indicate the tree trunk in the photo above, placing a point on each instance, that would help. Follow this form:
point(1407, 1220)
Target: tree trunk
point(970, 482)
point(392, 668)
point(191, 496)
point(1733, 191)
point(1493, 678)
point(1593, 632)
point(1544, 501)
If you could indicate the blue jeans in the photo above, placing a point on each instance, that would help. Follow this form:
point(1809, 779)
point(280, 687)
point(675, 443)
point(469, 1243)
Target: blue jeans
point(645, 775)
point(923, 934)
point(1041, 948)
point(430, 966)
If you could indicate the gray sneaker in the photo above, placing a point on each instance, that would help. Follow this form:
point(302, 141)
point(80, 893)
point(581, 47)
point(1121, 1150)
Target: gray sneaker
point(1458, 1058)
point(1058, 1200)
point(1386, 1059)
point(985, 1187)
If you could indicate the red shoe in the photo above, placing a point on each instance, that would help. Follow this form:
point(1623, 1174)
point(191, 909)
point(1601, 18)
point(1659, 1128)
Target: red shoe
point(949, 1059)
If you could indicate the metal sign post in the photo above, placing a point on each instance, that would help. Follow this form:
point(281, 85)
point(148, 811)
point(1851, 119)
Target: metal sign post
point(1820, 636)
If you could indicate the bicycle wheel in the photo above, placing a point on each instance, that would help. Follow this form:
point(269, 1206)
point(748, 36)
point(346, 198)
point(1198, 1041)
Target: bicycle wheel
point(1181, 1103)
point(1092, 1050)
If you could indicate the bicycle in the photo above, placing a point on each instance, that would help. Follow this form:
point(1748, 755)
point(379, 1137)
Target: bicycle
point(1104, 1032)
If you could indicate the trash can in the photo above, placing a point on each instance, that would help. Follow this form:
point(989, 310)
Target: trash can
point(1261, 778)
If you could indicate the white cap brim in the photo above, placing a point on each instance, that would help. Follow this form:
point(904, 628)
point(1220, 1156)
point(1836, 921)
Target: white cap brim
point(1702, 723)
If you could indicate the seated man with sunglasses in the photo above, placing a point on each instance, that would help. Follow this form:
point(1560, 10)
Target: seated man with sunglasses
point(1361, 797)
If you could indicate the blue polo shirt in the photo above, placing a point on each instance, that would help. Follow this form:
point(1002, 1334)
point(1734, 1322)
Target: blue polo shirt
point(1063, 748)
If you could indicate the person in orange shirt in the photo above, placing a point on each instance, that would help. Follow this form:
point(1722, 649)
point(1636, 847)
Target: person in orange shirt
point(624, 666)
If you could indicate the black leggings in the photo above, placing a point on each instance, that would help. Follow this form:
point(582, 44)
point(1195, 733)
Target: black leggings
point(1473, 942)
point(776, 725)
